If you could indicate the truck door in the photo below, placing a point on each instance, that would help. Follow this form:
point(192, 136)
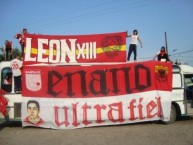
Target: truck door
point(188, 86)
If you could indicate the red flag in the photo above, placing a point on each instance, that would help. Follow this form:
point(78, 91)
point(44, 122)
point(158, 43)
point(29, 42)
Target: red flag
point(3, 102)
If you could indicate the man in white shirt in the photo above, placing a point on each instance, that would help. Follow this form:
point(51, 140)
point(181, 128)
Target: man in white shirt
point(133, 44)
point(16, 66)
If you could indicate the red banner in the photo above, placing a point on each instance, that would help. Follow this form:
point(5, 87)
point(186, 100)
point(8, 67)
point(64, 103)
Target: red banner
point(75, 49)
point(66, 97)
point(95, 80)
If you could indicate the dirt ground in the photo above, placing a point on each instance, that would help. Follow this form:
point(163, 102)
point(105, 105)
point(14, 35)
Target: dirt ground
point(148, 133)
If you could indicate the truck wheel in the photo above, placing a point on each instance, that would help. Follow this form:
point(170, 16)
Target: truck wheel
point(173, 115)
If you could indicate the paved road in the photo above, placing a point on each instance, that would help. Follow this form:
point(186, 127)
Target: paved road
point(149, 133)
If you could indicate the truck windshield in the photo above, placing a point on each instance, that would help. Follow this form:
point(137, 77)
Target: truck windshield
point(6, 79)
point(188, 81)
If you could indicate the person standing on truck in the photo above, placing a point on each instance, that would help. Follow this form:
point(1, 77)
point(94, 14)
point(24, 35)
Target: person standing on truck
point(8, 50)
point(21, 40)
point(162, 55)
point(16, 66)
point(133, 44)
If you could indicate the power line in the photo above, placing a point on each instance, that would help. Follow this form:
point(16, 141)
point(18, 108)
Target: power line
point(94, 14)
point(150, 57)
point(88, 15)
point(74, 11)
point(181, 52)
point(62, 14)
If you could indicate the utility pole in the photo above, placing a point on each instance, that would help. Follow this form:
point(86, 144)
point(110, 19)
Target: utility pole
point(166, 44)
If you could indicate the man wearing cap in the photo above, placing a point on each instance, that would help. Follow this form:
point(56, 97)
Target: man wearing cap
point(162, 55)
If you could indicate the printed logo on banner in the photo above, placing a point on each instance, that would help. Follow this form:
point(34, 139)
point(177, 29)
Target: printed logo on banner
point(161, 73)
point(111, 45)
point(33, 80)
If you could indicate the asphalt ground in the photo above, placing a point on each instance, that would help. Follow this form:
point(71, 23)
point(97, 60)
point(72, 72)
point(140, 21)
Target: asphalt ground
point(147, 133)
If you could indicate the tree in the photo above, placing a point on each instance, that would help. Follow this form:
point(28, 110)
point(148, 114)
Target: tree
point(1, 54)
point(15, 51)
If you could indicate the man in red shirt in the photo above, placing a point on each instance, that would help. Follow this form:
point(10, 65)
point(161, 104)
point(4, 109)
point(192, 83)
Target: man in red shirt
point(20, 37)
point(33, 110)
point(162, 55)
point(8, 50)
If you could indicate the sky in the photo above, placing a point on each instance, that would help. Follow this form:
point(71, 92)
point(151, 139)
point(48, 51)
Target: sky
point(152, 18)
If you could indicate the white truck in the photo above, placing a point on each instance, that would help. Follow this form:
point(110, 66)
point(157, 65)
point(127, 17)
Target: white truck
point(182, 93)
point(14, 99)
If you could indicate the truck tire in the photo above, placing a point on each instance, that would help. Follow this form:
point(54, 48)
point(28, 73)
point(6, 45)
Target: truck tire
point(173, 115)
